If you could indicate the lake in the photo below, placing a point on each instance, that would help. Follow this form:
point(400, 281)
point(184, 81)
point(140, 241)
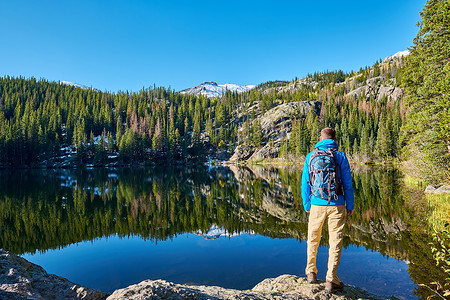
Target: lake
point(226, 226)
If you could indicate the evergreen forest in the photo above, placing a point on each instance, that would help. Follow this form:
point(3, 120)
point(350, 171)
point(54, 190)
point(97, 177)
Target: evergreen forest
point(40, 120)
point(395, 110)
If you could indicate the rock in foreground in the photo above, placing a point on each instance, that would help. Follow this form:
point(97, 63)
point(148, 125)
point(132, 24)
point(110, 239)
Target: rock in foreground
point(20, 279)
point(444, 189)
point(282, 287)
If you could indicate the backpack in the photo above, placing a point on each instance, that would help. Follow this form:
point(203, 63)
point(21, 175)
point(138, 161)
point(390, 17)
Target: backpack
point(324, 174)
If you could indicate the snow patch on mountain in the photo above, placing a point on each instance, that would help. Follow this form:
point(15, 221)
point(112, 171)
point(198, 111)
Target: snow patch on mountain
point(397, 55)
point(74, 84)
point(216, 232)
point(211, 89)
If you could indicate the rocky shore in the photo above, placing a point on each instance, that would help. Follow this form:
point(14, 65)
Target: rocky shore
point(20, 279)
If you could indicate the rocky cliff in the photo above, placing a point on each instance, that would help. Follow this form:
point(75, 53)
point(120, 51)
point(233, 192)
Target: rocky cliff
point(276, 124)
point(377, 88)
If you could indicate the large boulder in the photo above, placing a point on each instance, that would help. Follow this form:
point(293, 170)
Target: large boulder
point(444, 189)
point(241, 153)
point(268, 151)
point(20, 279)
point(282, 287)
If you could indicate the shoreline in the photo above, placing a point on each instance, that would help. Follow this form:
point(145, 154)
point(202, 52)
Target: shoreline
point(69, 163)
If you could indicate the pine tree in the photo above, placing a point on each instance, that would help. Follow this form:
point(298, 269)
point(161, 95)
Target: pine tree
point(173, 139)
point(257, 134)
point(158, 137)
point(91, 144)
point(197, 129)
point(110, 142)
point(295, 137)
point(426, 78)
point(364, 145)
point(383, 145)
point(315, 135)
point(304, 139)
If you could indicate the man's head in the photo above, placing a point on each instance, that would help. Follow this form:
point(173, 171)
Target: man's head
point(328, 133)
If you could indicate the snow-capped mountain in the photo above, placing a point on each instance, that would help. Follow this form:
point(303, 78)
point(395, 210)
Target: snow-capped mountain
point(397, 55)
point(74, 84)
point(211, 89)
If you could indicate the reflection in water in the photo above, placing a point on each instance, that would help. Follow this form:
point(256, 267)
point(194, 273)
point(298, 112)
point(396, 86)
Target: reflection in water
point(42, 210)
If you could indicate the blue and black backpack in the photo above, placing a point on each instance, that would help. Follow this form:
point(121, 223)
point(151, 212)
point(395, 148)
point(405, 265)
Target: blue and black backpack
point(324, 174)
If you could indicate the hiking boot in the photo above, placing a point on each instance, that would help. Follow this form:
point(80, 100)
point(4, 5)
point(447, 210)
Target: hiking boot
point(333, 287)
point(311, 277)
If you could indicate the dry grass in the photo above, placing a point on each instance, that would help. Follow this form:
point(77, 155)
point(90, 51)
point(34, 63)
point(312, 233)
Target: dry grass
point(439, 204)
point(440, 210)
point(413, 182)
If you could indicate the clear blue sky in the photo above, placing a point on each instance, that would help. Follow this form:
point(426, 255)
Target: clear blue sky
point(130, 44)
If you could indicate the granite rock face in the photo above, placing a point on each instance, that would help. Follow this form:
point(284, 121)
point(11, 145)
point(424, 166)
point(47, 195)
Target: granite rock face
point(268, 151)
point(20, 279)
point(278, 120)
point(276, 124)
point(390, 92)
point(242, 152)
point(377, 89)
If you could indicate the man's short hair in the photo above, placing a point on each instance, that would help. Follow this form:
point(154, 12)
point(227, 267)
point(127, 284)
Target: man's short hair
point(328, 133)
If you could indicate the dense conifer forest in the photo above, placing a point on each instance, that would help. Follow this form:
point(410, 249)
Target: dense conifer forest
point(41, 119)
point(44, 122)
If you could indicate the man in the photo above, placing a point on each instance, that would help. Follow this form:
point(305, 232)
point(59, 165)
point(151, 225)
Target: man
point(321, 204)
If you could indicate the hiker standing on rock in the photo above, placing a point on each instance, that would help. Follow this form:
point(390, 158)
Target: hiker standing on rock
point(327, 194)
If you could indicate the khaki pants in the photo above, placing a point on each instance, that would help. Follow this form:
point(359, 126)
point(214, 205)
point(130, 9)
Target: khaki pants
point(336, 221)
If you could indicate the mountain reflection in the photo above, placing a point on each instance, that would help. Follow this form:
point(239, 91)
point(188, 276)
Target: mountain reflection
point(41, 210)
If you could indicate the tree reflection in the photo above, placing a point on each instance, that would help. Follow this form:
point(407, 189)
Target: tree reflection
point(41, 210)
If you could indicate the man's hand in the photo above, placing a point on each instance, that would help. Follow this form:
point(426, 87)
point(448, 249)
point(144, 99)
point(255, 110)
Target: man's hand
point(307, 211)
point(349, 212)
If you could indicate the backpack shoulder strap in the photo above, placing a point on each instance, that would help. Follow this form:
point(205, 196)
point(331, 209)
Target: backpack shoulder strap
point(338, 169)
point(333, 154)
point(313, 154)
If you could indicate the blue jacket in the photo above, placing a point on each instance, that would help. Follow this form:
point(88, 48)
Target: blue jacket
point(344, 173)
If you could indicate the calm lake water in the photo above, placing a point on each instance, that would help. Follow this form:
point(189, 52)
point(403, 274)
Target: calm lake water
point(231, 227)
